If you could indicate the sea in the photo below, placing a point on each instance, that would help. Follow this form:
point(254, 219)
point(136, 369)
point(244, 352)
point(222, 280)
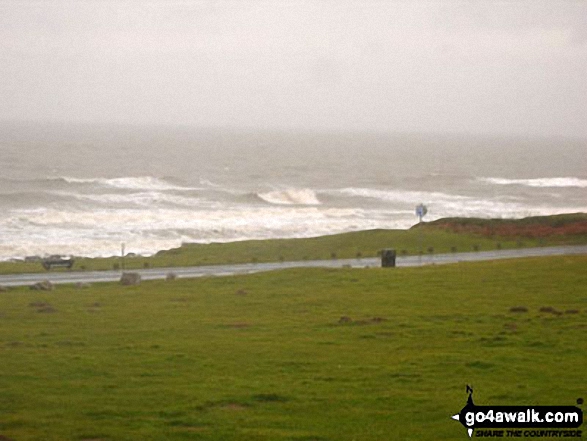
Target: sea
point(90, 190)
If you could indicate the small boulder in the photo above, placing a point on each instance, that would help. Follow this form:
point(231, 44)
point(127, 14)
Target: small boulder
point(171, 276)
point(129, 279)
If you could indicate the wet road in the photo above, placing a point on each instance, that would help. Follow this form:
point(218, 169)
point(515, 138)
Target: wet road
point(225, 270)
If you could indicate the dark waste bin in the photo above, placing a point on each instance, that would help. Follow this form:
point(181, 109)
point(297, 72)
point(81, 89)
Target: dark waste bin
point(387, 258)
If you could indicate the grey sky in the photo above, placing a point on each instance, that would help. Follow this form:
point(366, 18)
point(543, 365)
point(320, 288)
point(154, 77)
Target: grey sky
point(480, 67)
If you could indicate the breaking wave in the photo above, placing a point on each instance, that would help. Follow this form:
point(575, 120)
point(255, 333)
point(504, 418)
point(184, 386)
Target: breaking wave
point(450, 205)
point(399, 195)
point(539, 182)
point(149, 199)
point(303, 196)
point(45, 231)
point(129, 183)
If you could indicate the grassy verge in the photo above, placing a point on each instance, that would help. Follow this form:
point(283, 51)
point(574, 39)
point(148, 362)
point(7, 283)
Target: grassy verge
point(442, 236)
point(304, 354)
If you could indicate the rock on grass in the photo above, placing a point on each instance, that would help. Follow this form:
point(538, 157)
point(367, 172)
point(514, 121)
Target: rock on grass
point(129, 279)
point(42, 286)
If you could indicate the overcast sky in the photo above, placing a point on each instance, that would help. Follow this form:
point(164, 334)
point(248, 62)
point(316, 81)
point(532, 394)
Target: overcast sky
point(405, 66)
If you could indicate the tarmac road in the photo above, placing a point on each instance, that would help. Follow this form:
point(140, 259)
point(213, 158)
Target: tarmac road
point(225, 270)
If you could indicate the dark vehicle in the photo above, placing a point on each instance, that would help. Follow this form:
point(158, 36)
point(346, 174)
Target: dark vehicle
point(52, 261)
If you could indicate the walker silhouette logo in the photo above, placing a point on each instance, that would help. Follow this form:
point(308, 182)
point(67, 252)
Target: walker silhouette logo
point(517, 421)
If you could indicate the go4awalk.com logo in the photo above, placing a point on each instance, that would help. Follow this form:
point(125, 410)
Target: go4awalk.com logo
point(520, 421)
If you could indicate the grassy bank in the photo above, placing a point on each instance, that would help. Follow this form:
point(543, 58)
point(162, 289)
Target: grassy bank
point(305, 354)
point(442, 236)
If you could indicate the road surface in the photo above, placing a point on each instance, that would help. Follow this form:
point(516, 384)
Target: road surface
point(225, 270)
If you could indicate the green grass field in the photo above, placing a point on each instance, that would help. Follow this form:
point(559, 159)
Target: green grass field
point(442, 236)
point(267, 356)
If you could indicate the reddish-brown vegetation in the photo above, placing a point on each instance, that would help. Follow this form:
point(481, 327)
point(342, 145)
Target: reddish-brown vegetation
point(534, 228)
